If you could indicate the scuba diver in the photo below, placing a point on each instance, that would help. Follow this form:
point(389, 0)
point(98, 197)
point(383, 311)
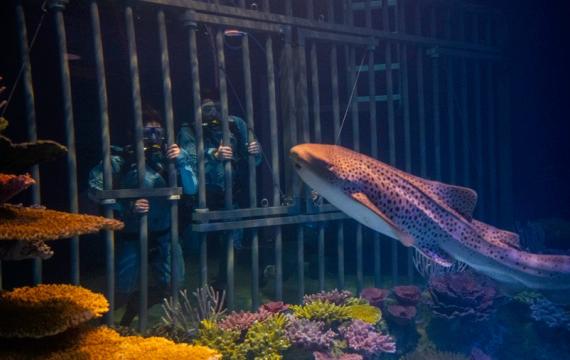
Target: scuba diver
point(123, 160)
point(216, 152)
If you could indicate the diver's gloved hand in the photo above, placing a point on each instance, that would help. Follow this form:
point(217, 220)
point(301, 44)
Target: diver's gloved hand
point(2, 89)
point(224, 153)
point(173, 152)
point(141, 206)
point(253, 148)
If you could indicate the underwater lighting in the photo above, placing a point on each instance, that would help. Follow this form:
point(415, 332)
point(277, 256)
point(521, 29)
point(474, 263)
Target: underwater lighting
point(234, 33)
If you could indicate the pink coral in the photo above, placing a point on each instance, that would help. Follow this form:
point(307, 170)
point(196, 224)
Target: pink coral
point(243, 320)
point(324, 356)
point(11, 185)
point(362, 337)
point(274, 307)
point(374, 296)
point(401, 315)
point(407, 295)
point(337, 297)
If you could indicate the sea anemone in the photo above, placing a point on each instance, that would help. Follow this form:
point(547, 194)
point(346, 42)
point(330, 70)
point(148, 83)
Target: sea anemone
point(44, 310)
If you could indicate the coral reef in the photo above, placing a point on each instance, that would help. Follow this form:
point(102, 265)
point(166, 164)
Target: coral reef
point(374, 296)
point(267, 339)
point(225, 342)
point(17, 158)
point(408, 295)
point(361, 337)
point(461, 295)
point(44, 310)
point(321, 310)
point(274, 307)
point(401, 315)
point(310, 334)
point(243, 320)
point(432, 354)
point(367, 313)
point(554, 316)
point(11, 185)
point(324, 356)
point(337, 297)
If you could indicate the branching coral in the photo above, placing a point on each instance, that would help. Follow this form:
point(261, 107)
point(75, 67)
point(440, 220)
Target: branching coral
point(321, 310)
point(361, 337)
point(225, 342)
point(267, 339)
point(35, 224)
point(337, 297)
point(309, 334)
point(324, 356)
point(367, 313)
point(243, 320)
point(45, 310)
point(21, 249)
point(10, 185)
point(274, 307)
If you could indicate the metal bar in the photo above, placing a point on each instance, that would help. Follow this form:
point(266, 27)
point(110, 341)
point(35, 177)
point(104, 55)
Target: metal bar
point(228, 198)
point(172, 174)
point(491, 134)
point(505, 155)
point(454, 3)
point(300, 263)
point(378, 98)
point(330, 12)
point(310, 9)
point(239, 14)
point(274, 130)
point(340, 254)
point(107, 196)
point(30, 115)
point(266, 7)
point(251, 171)
point(106, 151)
point(466, 171)
point(58, 6)
point(391, 125)
point(246, 24)
point(141, 167)
point(244, 213)
point(481, 191)
point(337, 38)
point(436, 101)
point(421, 102)
point(288, 8)
point(451, 107)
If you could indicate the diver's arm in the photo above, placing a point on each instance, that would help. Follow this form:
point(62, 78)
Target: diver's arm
point(95, 182)
point(187, 173)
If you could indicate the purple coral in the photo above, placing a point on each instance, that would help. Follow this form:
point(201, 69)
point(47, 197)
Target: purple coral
point(242, 320)
point(408, 295)
point(362, 337)
point(461, 295)
point(374, 296)
point(325, 356)
point(401, 315)
point(274, 307)
point(309, 334)
point(337, 297)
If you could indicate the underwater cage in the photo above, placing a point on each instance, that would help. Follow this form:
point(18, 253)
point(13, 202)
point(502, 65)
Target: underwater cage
point(419, 84)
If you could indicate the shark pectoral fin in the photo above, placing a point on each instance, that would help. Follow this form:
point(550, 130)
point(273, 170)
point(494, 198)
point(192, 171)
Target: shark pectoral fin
point(461, 199)
point(496, 236)
point(363, 199)
point(436, 255)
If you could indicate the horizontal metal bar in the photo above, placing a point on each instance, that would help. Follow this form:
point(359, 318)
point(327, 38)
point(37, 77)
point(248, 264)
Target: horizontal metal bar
point(243, 23)
point(204, 216)
point(435, 52)
point(378, 98)
point(265, 222)
point(101, 195)
point(377, 4)
point(235, 13)
point(339, 38)
point(374, 4)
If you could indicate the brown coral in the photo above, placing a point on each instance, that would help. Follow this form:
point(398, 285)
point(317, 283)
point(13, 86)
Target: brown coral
point(44, 310)
point(25, 223)
point(16, 158)
point(10, 185)
point(20, 250)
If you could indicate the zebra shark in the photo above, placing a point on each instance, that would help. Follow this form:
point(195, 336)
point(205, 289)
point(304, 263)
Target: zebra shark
point(433, 217)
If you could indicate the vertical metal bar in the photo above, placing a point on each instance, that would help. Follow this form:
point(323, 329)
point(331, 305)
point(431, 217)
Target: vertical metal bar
point(451, 105)
point(310, 9)
point(251, 171)
point(228, 199)
point(491, 133)
point(242, 4)
point(141, 166)
point(274, 130)
point(318, 139)
point(30, 115)
point(481, 191)
point(405, 98)
point(391, 121)
point(106, 151)
point(195, 78)
point(464, 113)
point(435, 98)
point(421, 102)
point(288, 7)
point(58, 6)
point(266, 7)
point(330, 11)
point(172, 180)
point(302, 103)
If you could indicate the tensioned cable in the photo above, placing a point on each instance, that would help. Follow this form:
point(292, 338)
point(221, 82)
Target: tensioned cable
point(6, 103)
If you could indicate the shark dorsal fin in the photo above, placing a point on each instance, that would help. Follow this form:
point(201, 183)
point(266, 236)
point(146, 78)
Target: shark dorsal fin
point(496, 236)
point(461, 199)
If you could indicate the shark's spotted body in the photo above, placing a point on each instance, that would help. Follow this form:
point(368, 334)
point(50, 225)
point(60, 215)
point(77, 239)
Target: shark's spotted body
point(433, 217)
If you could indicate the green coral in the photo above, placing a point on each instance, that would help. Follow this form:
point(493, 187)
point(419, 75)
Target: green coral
point(527, 297)
point(367, 313)
point(321, 310)
point(266, 340)
point(226, 342)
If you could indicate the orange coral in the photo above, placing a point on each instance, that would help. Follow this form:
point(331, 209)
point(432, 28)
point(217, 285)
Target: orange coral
point(24, 223)
point(10, 185)
point(105, 343)
point(44, 310)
